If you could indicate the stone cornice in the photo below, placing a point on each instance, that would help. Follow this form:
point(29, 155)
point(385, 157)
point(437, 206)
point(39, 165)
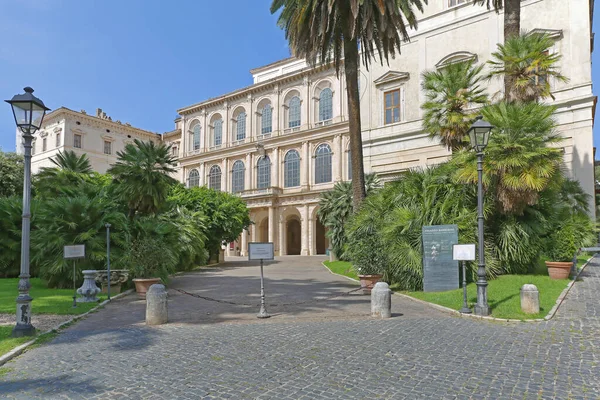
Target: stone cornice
point(64, 112)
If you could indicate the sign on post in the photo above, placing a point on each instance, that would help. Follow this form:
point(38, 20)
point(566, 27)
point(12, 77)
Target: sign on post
point(440, 271)
point(75, 251)
point(463, 252)
point(261, 251)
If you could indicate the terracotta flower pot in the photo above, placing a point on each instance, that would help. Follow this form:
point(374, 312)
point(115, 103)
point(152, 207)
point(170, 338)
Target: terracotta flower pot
point(559, 270)
point(368, 281)
point(142, 285)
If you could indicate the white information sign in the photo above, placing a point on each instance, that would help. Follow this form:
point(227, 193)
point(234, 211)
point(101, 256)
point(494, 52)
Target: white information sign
point(261, 251)
point(463, 252)
point(75, 251)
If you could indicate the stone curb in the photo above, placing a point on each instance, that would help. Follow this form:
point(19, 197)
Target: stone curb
point(20, 349)
point(548, 317)
point(343, 276)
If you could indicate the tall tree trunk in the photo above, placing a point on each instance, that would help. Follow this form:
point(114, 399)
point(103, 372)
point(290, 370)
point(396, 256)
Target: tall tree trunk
point(356, 149)
point(512, 28)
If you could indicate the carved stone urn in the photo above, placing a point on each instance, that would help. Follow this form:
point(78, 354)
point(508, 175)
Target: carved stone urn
point(117, 278)
point(88, 290)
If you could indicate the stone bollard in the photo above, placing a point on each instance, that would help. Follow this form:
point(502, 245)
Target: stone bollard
point(156, 305)
point(530, 299)
point(381, 300)
point(88, 290)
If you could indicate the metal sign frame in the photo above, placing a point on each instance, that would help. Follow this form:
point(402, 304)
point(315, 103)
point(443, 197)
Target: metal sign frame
point(261, 251)
point(74, 252)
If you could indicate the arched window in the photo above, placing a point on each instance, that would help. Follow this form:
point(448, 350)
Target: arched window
point(194, 178)
point(349, 165)
point(263, 173)
point(325, 105)
point(237, 176)
point(196, 137)
point(240, 132)
point(214, 177)
point(294, 112)
point(218, 132)
point(266, 121)
point(323, 164)
point(291, 169)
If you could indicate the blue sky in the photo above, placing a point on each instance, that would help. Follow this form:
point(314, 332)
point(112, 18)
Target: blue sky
point(138, 60)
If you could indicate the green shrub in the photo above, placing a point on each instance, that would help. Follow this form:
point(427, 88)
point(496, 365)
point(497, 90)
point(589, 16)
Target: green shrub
point(563, 245)
point(151, 258)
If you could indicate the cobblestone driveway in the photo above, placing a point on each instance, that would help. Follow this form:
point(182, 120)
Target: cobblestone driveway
point(433, 355)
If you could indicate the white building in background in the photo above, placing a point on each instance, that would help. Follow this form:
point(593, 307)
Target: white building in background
point(97, 136)
point(282, 141)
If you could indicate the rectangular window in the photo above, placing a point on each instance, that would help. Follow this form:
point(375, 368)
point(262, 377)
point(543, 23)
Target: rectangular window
point(392, 106)
point(77, 141)
point(452, 3)
point(540, 79)
point(107, 147)
point(175, 150)
point(44, 144)
point(58, 140)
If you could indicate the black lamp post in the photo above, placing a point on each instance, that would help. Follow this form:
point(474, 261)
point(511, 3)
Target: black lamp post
point(479, 135)
point(29, 113)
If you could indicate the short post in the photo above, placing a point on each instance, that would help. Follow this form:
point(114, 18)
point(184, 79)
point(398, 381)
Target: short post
point(74, 288)
point(108, 258)
point(530, 299)
point(156, 305)
point(465, 308)
point(381, 300)
point(262, 313)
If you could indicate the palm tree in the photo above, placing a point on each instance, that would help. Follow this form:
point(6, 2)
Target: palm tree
point(141, 176)
point(454, 95)
point(526, 61)
point(331, 30)
point(70, 171)
point(521, 159)
point(335, 208)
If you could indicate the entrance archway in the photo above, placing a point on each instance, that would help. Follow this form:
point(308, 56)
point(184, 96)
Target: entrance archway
point(263, 230)
point(294, 237)
point(320, 238)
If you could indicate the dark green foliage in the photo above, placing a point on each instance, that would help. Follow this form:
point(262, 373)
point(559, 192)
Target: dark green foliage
point(563, 247)
point(11, 174)
point(225, 215)
point(11, 210)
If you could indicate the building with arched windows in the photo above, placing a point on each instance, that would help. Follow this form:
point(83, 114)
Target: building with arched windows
point(282, 141)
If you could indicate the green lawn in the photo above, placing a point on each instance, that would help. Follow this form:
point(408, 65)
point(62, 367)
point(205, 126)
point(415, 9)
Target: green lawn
point(503, 295)
point(342, 268)
point(7, 343)
point(45, 301)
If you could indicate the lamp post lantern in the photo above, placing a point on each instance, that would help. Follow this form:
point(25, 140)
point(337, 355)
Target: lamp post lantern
point(479, 135)
point(29, 112)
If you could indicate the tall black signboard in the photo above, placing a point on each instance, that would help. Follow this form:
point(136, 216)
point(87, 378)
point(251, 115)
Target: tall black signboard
point(440, 271)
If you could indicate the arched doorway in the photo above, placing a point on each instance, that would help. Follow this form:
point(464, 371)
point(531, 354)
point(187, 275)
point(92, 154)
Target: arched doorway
point(263, 230)
point(320, 238)
point(294, 237)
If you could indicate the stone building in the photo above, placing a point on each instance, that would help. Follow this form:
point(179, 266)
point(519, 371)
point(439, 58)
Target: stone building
point(98, 136)
point(282, 141)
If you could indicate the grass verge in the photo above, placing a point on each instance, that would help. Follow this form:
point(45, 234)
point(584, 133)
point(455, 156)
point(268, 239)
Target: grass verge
point(7, 343)
point(45, 300)
point(342, 267)
point(503, 295)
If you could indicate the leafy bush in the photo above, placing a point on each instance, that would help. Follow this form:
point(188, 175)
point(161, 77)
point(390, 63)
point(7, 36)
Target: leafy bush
point(365, 247)
point(563, 245)
point(151, 258)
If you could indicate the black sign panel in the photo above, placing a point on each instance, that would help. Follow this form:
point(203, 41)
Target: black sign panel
point(440, 271)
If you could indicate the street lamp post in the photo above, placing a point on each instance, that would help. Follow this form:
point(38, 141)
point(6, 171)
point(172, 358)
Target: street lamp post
point(479, 135)
point(29, 113)
point(107, 225)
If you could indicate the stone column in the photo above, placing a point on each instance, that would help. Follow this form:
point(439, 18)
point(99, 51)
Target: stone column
point(305, 163)
point(281, 239)
point(251, 184)
point(244, 243)
point(272, 224)
point(202, 174)
point(305, 232)
point(250, 119)
point(337, 158)
point(248, 172)
point(253, 233)
point(305, 121)
point(225, 140)
point(203, 134)
point(224, 173)
point(276, 110)
point(275, 168)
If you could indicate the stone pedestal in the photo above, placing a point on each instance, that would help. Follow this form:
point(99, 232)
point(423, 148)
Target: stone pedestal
point(156, 305)
point(381, 300)
point(530, 299)
point(88, 290)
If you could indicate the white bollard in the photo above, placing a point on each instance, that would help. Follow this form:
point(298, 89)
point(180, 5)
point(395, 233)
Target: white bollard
point(381, 300)
point(530, 299)
point(156, 305)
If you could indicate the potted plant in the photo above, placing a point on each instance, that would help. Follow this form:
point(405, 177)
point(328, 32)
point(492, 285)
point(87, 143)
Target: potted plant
point(367, 255)
point(561, 252)
point(150, 262)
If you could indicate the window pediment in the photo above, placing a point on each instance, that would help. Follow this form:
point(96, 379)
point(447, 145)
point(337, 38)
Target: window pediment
point(391, 76)
point(456, 57)
point(555, 34)
point(108, 138)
